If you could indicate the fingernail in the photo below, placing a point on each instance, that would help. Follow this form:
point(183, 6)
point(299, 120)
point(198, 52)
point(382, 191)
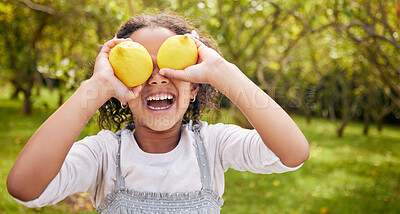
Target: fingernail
point(162, 72)
point(195, 34)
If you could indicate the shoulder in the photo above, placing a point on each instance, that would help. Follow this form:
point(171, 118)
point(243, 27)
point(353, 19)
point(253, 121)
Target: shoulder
point(221, 130)
point(103, 141)
point(217, 127)
point(218, 136)
point(101, 137)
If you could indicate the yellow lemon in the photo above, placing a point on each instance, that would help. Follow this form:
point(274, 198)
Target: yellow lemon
point(131, 62)
point(177, 52)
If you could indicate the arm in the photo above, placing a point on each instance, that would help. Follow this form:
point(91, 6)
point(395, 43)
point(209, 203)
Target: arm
point(277, 130)
point(43, 155)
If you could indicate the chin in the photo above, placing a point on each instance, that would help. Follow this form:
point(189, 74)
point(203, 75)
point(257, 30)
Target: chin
point(160, 124)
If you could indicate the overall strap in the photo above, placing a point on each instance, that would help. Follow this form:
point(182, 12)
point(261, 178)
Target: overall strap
point(120, 179)
point(201, 155)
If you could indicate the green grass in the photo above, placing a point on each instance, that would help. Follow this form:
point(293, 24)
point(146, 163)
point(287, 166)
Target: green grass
point(15, 131)
point(353, 174)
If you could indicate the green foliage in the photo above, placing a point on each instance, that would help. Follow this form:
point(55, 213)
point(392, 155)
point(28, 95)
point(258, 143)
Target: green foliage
point(283, 46)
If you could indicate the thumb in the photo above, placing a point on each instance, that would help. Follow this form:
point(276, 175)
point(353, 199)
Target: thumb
point(130, 94)
point(176, 74)
point(136, 91)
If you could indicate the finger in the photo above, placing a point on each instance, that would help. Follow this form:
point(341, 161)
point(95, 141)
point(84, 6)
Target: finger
point(136, 90)
point(199, 44)
point(128, 95)
point(175, 74)
point(195, 38)
point(112, 43)
point(193, 35)
point(196, 35)
point(124, 93)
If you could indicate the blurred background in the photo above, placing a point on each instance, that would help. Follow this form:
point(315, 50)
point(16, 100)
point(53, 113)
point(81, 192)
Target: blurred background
point(333, 65)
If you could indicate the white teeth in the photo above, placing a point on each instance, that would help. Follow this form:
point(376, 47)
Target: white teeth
point(159, 97)
point(159, 108)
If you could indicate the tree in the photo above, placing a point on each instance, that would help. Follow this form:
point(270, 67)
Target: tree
point(39, 38)
point(23, 30)
point(330, 57)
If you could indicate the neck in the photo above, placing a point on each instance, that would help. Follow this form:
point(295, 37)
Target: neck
point(151, 141)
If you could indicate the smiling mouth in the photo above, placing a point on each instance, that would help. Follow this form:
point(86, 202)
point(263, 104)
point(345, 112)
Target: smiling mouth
point(160, 101)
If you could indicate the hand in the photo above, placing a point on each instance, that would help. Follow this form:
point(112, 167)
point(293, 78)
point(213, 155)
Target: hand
point(208, 63)
point(104, 73)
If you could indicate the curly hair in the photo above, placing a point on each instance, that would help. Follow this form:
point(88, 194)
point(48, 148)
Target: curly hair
point(112, 115)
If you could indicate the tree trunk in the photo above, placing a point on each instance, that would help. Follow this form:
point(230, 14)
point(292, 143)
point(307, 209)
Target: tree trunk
point(366, 122)
point(340, 131)
point(331, 110)
point(381, 115)
point(308, 115)
point(60, 97)
point(379, 124)
point(14, 95)
point(311, 97)
point(346, 112)
point(27, 102)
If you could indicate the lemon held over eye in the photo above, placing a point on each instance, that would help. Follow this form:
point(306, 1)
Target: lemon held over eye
point(131, 62)
point(177, 52)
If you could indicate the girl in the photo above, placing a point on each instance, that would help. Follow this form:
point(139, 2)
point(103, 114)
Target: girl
point(160, 162)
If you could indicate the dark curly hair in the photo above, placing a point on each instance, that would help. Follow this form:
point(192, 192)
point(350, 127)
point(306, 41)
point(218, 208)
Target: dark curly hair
point(112, 115)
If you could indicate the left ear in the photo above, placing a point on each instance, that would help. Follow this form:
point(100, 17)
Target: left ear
point(194, 88)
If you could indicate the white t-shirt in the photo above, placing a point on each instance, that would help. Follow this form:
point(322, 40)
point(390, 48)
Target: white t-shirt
point(90, 165)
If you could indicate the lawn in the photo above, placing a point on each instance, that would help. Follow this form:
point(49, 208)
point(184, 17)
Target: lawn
point(353, 174)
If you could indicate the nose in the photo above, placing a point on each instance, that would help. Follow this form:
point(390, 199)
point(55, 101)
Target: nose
point(156, 78)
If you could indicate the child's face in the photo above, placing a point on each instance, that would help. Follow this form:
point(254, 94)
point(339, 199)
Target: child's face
point(162, 101)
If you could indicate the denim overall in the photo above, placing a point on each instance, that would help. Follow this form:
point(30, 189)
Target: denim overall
point(128, 201)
